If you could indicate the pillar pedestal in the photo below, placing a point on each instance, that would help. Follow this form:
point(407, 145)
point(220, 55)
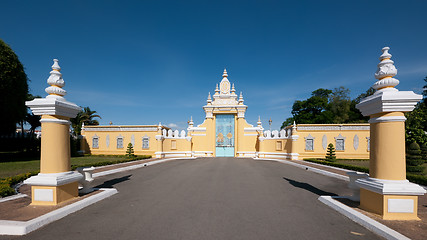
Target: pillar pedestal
point(386, 191)
point(56, 182)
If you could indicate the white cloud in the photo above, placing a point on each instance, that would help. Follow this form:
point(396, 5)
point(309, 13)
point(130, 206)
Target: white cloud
point(172, 125)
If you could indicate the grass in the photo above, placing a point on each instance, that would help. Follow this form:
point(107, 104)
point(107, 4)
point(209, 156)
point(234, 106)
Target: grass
point(9, 169)
point(363, 166)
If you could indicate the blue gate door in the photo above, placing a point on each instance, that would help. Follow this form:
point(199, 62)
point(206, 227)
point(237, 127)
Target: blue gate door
point(224, 136)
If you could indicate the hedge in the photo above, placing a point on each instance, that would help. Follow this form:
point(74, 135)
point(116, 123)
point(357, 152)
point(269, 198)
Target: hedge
point(418, 179)
point(6, 184)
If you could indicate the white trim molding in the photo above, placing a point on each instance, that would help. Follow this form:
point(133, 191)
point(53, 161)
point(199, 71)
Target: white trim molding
point(59, 121)
point(388, 119)
point(390, 187)
point(54, 179)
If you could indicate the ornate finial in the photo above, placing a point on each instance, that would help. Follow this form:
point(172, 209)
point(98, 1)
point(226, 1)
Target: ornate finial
point(259, 121)
point(216, 89)
point(241, 98)
point(225, 73)
point(56, 82)
point(191, 121)
point(294, 127)
point(385, 73)
point(209, 99)
point(232, 88)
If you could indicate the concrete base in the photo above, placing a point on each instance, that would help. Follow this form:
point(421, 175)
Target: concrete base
point(391, 199)
point(53, 188)
point(45, 195)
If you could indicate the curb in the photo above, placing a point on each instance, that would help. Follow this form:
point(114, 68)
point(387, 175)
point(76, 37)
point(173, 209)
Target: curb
point(362, 219)
point(13, 197)
point(308, 168)
point(24, 227)
point(116, 170)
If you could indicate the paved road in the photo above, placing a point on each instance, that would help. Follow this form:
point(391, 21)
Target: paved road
point(211, 198)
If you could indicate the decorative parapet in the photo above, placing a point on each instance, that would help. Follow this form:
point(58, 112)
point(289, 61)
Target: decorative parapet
point(169, 134)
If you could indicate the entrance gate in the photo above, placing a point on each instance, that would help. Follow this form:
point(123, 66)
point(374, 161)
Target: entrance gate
point(224, 135)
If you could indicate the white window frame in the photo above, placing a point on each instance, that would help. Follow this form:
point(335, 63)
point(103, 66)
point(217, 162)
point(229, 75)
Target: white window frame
point(308, 139)
point(340, 138)
point(146, 142)
point(117, 142)
point(93, 141)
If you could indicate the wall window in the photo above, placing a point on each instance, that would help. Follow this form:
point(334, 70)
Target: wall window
point(95, 142)
point(278, 145)
point(145, 142)
point(369, 143)
point(340, 144)
point(119, 142)
point(173, 144)
point(309, 143)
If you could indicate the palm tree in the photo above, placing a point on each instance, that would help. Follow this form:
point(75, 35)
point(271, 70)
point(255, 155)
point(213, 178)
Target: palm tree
point(85, 116)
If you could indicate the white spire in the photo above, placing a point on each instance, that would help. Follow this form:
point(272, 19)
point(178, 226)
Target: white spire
point(224, 74)
point(259, 121)
point(241, 99)
point(191, 123)
point(385, 73)
point(216, 89)
point(56, 82)
point(209, 99)
point(233, 89)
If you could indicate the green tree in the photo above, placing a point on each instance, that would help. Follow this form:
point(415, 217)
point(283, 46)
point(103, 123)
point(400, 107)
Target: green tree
point(330, 153)
point(423, 149)
point(339, 105)
point(416, 121)
point(85, 116)
point(414, 159)
point(129, 151)
point(13, 90)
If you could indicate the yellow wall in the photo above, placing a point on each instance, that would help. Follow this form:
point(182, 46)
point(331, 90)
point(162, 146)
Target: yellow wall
point(319, 152)
point(112, 148)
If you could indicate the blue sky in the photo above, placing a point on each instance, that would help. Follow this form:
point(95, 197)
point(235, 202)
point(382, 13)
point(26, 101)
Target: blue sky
point(141, 62)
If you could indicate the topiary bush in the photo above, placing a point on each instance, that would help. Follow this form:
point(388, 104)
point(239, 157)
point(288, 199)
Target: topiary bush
point(330, 154)
point(423, 149)
point(129, 151)
point(414, 159)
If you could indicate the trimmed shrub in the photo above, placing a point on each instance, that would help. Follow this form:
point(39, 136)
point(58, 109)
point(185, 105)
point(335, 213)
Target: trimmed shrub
point(414, 159)
point(330, 154)
point(129, 151)
point(423, 149)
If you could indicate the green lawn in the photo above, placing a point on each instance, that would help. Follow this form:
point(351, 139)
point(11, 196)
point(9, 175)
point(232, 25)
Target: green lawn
point(9, 169)
point(365, 163)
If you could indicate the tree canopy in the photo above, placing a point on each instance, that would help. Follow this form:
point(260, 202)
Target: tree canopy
point(13, 90)
point(416, 121)
point(85, 116)
point(328, 106)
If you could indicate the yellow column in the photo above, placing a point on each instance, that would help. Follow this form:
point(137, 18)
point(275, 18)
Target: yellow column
point(159, 138)
point(294, 137)
point(386, 191)
point(387, 147)
point(55, 183)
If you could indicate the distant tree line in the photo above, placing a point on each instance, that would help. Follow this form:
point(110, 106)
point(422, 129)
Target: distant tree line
point(328, 106)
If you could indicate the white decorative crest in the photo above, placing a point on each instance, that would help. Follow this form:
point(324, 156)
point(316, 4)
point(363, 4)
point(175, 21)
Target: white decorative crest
point(176, 133)
point(356, 142)
point(324, 142)
point(170, 133)
point(56, 82)
point(107, 140)
point(385, 72)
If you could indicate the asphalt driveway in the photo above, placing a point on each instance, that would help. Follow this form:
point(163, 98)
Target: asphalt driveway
point(211, 198)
